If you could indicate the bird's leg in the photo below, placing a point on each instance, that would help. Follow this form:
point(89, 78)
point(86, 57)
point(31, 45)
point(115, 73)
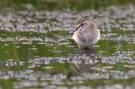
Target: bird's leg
point(86, 48)
point(80, 47)
point(90, 47)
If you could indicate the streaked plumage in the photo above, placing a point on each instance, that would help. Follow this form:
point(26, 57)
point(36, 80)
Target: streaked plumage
point(86, 33)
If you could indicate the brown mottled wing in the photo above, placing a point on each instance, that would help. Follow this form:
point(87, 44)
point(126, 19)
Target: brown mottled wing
point(90, 32)
point(92, 26)
point(82, 37)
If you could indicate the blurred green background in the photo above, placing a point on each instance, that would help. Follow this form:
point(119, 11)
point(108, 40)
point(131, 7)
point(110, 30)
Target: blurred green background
point(60, 4)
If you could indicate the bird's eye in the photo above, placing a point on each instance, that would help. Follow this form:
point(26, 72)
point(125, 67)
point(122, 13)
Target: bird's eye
point(81, 24)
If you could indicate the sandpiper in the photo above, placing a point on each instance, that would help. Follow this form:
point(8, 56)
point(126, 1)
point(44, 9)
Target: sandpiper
point(86, 33)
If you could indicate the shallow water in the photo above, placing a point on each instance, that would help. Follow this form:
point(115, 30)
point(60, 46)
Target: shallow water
point(37, 50)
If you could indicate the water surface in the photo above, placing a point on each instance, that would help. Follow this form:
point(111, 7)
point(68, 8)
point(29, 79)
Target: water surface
point(37, 50)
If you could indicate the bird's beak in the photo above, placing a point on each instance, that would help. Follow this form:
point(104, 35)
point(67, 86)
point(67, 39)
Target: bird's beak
point(76, 29)
point(73, 31)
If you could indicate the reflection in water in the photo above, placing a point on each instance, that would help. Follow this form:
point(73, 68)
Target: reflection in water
point(88, 59)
